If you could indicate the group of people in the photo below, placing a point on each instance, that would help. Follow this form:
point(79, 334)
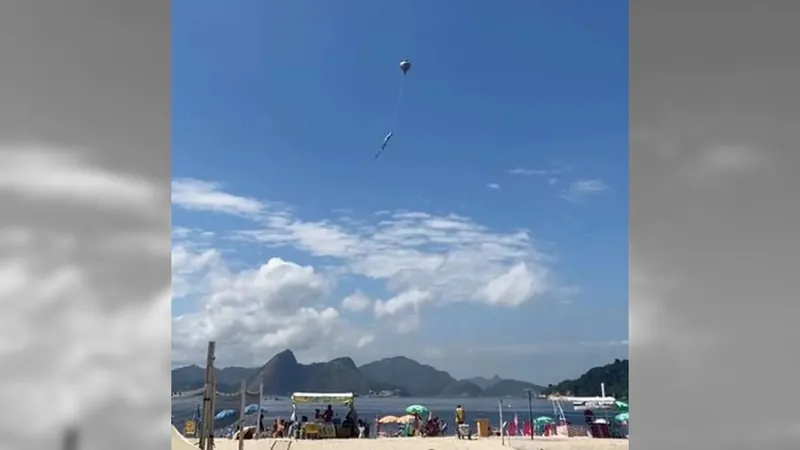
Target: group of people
point(431, 427)
point(356, 427)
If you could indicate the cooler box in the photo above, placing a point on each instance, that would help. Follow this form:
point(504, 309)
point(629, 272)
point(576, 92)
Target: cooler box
point(483, 427)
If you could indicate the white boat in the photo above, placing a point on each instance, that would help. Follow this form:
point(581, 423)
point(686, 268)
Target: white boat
point(585, 403)
point(582, 404)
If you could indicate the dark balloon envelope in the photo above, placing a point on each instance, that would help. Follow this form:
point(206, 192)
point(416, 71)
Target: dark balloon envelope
point(405, 65)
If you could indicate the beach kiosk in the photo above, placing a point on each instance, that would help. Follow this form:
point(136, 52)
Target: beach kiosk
point(317, 429)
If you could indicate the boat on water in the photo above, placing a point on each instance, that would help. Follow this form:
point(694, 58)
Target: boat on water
point(589, 403)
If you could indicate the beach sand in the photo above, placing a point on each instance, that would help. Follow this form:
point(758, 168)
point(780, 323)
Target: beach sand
point(573, 443)
point(445, 443)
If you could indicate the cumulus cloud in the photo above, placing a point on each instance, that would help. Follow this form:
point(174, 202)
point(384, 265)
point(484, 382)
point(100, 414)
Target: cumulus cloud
point(450, 256)
point(493, 187)
point(516, 286)
point(356, 302)
point(422, 260)
point(253, 313)
point(42, 172)
point(75, 322)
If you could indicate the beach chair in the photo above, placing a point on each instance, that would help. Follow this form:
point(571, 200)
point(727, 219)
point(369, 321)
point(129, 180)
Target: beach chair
point(311, 431)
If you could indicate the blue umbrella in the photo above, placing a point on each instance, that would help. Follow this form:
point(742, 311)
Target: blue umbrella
point(225, 413)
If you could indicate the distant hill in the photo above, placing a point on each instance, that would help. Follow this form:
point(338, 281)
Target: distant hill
point(503, 387)
point(192, 377)
point(420, 380)
point(483, 382)
point(282, 375)
point(461, 388)
point(514, 388)
point(614, 375)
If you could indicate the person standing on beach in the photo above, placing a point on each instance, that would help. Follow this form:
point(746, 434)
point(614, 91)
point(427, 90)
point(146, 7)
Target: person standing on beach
point(460, 415)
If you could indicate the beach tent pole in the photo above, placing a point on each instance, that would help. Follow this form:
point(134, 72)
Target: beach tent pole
point(502, 431)
point(242, 407)
point(260, 400)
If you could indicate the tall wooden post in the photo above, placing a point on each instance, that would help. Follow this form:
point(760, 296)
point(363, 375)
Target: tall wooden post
point(207, 415)
point(502, 430)
point(260, 410)
point(211, 412)
point(242, 407)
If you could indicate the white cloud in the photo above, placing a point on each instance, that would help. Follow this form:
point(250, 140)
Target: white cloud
point(204, 196)
point(516, 286)
point(555, 169)
point(356, 302)
point(76, 322)
point(450, 256)
point(579, 190)
point(49, 173)
point(552, 175)
point(422, 260)
point(493, 187)
point(527, 172)
point(411, 299)
point(253, 313)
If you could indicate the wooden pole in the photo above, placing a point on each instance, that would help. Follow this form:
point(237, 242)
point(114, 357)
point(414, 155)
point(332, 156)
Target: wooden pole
point(260, 411)
point(208, 412)
point(212, 414)
point(242, 407)
point(502, 431)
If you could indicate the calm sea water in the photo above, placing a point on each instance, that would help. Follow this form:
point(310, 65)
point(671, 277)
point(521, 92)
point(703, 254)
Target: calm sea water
point(476, 408)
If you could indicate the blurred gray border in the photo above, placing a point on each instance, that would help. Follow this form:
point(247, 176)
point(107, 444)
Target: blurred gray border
point(85, 201)
point(714, 214)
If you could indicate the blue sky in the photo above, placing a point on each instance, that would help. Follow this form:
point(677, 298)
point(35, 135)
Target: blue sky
point(490, 237)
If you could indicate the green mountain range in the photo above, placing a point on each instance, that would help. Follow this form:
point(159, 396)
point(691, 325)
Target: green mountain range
point(614, 375)
point(402, 376)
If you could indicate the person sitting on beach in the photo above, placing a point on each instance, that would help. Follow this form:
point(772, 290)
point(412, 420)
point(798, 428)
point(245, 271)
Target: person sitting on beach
point(300, 432)
point(275, 428)
point(362, 427)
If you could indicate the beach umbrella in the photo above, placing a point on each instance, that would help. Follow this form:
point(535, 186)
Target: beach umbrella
point(623, 417)
point(417, 409)
point(224, 414)
point(252, 409)
point(408, 418)
point(387, 419)
point(543, 420)
point(621, 406)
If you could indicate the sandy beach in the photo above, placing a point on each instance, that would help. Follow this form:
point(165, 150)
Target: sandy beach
point(445, 443)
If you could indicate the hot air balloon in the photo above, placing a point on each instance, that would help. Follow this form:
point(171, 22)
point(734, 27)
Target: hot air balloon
point(405, 66)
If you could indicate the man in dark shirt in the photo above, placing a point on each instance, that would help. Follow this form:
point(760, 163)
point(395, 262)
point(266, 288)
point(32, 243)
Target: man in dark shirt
point(327, 416)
